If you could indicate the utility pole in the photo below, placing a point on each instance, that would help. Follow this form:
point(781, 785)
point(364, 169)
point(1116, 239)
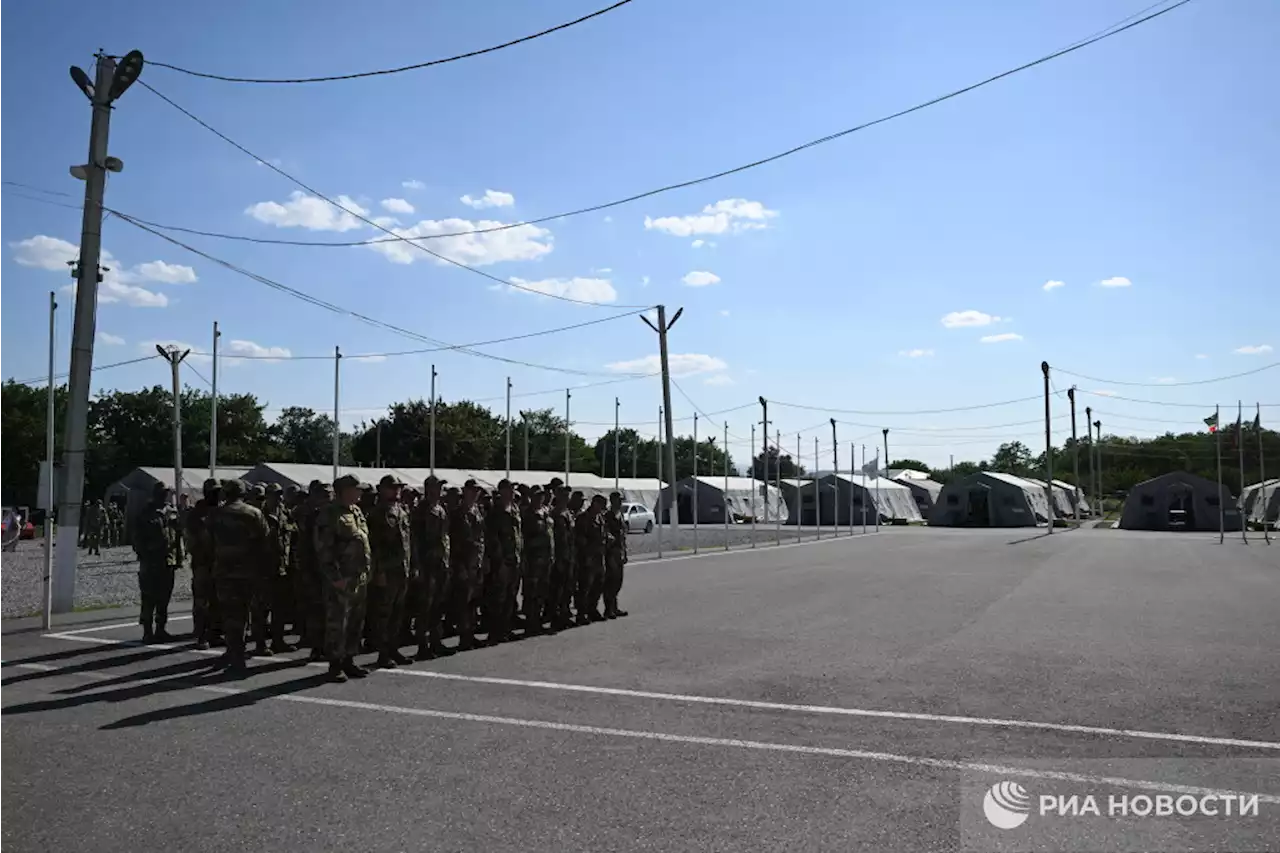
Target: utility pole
point(886, 458)
point(835, 463)
point(853, 463)
point(567, 395)
point(1075, 450)
point(663, 328)
point(695, 483)
point(661, 492)
point(213, 416)
point(726, 487)
point(175, 358)
point(432, 437)
point(110, 82)
point(756, 491)
point(377, 453)
point(1098, 425)
point(1093, 468)
point(1048, 447)
point(817, 492)
point(617, 440)
point(337, 424)
point(866, 491)
point(764, 458)
point(508, 427)
point(48, 607)
point(524, 416)
point(777, 487)
point(1244, 522)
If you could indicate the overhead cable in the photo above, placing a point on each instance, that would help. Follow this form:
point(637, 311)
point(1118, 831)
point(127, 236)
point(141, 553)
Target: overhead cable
point(1274, 364)
point(917, 412)
point(40, 380)
point(386, 71)
point(412, 241)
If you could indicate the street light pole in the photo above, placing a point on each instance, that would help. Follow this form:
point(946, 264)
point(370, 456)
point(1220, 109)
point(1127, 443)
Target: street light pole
point(663, 328)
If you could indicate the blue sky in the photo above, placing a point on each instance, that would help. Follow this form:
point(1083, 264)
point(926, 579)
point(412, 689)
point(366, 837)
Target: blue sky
point(860, 275)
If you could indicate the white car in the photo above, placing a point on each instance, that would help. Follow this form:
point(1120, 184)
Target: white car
point(638, 518)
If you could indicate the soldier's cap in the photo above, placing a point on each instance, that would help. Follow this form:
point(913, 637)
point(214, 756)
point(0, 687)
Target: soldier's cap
point(274, 489)
point(346, 481)
point(389, 480)
point(505, 484)
point(365, 487)
point(317, 487)
point(615, 496)
point(597, 499)
point(210, 485)
point(470, 484)
point(556, 481)
point(159, 489)
point(453, 490)
point(232, 489)
point(434, 480)
point(258, 490)
point(291, 489)
point(577, 494)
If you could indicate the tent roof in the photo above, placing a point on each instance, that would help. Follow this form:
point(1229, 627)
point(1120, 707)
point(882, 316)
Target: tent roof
point(870, 483)
point(933, 487)
point(908, 473)
point(193, 478)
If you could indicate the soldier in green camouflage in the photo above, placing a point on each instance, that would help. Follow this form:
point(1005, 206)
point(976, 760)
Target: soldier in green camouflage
point(466, 553)
point(159, 551)
point(430, 552)
point(199, 545)
point(560, 585)
point(308, 587)
point(343, 558)
point(389, 540)
point(538, 529)
point(615, 556)
point(274, 592)
point(504, 546)
point(240, 558)
point(589, 554)
point(93, 522)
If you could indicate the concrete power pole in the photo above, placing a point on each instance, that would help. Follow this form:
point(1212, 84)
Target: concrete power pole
point(508, 421)
point(1093, 468)
point(337, 424)
point(109, 83)
point(175, 358)
point(886, 453)
point(1075, 450)
point(663, 328)
point(432, 437)
point(617, 438)
point(1048, 446)
point(50, 440)
point(764, 457)
point(213, 410)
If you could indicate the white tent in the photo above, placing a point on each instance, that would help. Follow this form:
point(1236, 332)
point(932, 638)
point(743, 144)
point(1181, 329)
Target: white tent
point(640, 490)
point(1062, 506)
point(1260, 503)
point(742, 497)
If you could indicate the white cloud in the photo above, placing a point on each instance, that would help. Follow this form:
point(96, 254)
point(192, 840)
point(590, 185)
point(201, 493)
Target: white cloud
point(724, 312)
point(608, 219)
point(999, 339)
point(413, 184)
point(732, 215)
point(1105, 393)
point(1164, 380)
point(113, 290)
point(916, 353)
point(1201, 355)
point(962, 319)
point(396, 205)
point(598, 290)
point(698, 244)
point(368, 359)
point(110, 340)
point(652, 314)
point(603, 270)
point(491, 198)
point(1054, 285)
point(167, 273)
point(680, 364)
point(305, 211)
point(700, 278)
point(644, 281)
point(1115, 281)
point(44, 252)
point(522, 243)
point(239, 349)
point(1258, 349)
point(718, 379)
point(271, 161)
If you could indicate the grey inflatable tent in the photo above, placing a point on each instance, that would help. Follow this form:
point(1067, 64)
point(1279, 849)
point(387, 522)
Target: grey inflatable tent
point(990, 499)
point(1260, 503)
point(925, 492)
point(844, 496)
point(1179, 501)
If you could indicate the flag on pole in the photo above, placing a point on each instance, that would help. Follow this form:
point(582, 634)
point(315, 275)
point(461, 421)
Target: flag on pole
point(872, 468)
point(1212, 422)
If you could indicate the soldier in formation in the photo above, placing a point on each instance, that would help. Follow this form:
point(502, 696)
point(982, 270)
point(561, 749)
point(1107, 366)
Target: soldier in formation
point(334, 563)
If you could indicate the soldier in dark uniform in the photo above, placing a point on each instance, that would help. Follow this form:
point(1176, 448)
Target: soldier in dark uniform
point(159, 549)
point(206, 626)
point(343, 557)
point(431, 551)
point(589, 553)
point(504, 545)
point(538, 529)
point(274, 591)
point(615, 557)
point(466, 553)
point(389, 540)
point(560, 585)
point(308, 587)
point(240, 535)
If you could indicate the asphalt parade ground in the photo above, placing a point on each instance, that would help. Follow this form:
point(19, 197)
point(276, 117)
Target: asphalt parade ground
point(851, 694)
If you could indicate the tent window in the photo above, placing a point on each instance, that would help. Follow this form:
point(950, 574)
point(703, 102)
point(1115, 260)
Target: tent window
point(1148, 500)
point(953, 500)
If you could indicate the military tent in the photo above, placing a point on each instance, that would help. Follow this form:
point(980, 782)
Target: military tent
point(1179, 501)
point(990, 499)
point(844, 496)
point(925, 492)
point(640, 490)
point(1260, 503)
point(742, 497)
point(134, 488)
point(1072, 494)
point(1062, 506)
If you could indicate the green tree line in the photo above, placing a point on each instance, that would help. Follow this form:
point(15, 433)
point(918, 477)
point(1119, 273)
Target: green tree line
point(129, 429)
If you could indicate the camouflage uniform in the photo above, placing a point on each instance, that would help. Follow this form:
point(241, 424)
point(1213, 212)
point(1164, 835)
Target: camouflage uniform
point(93, 522)
point(343, 559)
point(389, 540)
point(308, 589)
point(466, 555)
point(539, 554)
point(159, 551)
point(615, 557)
point(240, 534)
point(589, 554)
point(560, 586)
point(274, 593)
point(430, 547)
point(504, 545)
point(199, 542)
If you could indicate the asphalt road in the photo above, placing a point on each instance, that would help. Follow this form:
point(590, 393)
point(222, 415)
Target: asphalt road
point(856, 694)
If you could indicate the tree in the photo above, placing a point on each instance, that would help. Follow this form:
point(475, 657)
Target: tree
point(1012, 457)
point(634, 454)
point(302, 435)
point(23, 411)
point(770, 465)
point(913, 464)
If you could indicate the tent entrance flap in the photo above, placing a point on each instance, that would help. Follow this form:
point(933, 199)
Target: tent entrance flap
point(979, 507)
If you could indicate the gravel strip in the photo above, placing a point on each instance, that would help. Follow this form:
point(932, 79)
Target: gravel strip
point(112, 578)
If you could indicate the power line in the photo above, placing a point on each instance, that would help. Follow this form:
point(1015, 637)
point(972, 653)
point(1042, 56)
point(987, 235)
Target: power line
point(918, 412)
point(386, 71)
point(192, 368)
point(409, 240)
point(338, 309)
point(1170, 384)
point(41, 380)
point(1104, 34)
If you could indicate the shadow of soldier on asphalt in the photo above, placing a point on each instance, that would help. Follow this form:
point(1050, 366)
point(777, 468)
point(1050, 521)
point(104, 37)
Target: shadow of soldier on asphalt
point(146, 654)
point(239, 699)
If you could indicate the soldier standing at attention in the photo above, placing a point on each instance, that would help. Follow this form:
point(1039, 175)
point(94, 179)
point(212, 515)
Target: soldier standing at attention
point(615, 557)
point(239, 561)
point(200, 546)
point(274, 590)
point(309, 587)
point(504, 544)
point(538, 530)
point(389, 540)
point(466, 553)
point(589, 552)
point(560, 588)
point(430, 551)
point(94, 522)
point(343, 557)
point(159, 554)
point(373, 594)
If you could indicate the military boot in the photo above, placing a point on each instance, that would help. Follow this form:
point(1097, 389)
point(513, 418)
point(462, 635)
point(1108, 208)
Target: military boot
point(350, 668)
point(335, 673)
point(262, 650)
point(385, 661)
point(425, 652)
point(400, 659)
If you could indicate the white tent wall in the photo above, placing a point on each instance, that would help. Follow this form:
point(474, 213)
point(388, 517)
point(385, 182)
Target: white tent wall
point(640, 490)
point(744, 496)
point(1062, 505)
point(892, 500)
point(1260, 503)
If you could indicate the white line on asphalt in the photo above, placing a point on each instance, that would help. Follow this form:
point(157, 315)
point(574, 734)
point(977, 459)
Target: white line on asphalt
point(771, 706)
point(735, 743)
point(95, 629)
point(749, 550)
